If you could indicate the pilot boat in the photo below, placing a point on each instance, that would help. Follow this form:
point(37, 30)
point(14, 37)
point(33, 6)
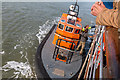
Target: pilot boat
point(56, 55)
point(67, 35)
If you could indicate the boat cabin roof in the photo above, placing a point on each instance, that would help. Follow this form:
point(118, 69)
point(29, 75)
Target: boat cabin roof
point(73, 22)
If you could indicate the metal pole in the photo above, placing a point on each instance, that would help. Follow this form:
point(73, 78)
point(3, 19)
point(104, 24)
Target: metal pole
point(92, 46)
point(92, 69)
point(87, 69)
point(101, 58)
point(100, 37)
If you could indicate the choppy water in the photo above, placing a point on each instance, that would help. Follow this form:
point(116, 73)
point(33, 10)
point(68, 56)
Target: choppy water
point(22, 23)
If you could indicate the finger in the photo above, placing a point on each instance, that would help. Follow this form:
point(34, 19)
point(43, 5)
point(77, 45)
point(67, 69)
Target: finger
point(97, 6)
point(94, 11)
point(92, 7)
point(102, 3)
point(96, 2)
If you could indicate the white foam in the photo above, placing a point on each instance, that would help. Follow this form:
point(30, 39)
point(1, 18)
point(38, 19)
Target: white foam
point(21, 69)
point(2, 52)
point(21, 52)
point(44, 29)
point(15, 47)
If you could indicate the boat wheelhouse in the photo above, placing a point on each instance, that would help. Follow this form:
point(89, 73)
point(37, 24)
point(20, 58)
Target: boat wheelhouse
point(67, 34)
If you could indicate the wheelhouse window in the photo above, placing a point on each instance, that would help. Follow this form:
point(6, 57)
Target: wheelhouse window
point(71, 21)
point(62, 20)
point(77, 31)
point(69, 29)
point(78, 25)
point(61, 26)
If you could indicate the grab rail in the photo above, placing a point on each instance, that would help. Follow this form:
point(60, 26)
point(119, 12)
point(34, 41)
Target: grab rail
point(92, 58)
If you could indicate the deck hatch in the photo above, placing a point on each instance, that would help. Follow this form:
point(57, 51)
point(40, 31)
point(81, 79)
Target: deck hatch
point(58, 72)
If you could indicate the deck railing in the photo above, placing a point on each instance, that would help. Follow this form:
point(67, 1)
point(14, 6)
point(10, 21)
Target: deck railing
point(94, 60)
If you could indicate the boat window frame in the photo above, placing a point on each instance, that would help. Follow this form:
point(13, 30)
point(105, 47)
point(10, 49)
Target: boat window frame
point(77, 33)
point(68, 31)
point(60, 28)
point(78, 24)
point(62, 20)
point(68, 22)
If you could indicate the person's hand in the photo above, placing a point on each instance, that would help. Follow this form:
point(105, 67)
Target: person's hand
point(97, 8)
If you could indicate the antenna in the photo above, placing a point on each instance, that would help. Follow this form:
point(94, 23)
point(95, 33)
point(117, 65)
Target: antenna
point(76, 2)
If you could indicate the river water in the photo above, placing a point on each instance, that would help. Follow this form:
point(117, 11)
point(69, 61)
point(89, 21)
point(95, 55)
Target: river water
point(21, 22)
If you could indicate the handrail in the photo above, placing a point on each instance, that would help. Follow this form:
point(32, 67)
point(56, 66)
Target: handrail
point(91, 59)
point(101, 59)
point(92, 45)
point(100, 38)
point(95, 53)
point(93, 64)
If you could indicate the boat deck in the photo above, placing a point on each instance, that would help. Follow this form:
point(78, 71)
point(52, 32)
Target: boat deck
point(47, 67)
point(58, 69)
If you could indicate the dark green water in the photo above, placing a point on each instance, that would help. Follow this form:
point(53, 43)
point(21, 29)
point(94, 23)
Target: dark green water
point(20, 23)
